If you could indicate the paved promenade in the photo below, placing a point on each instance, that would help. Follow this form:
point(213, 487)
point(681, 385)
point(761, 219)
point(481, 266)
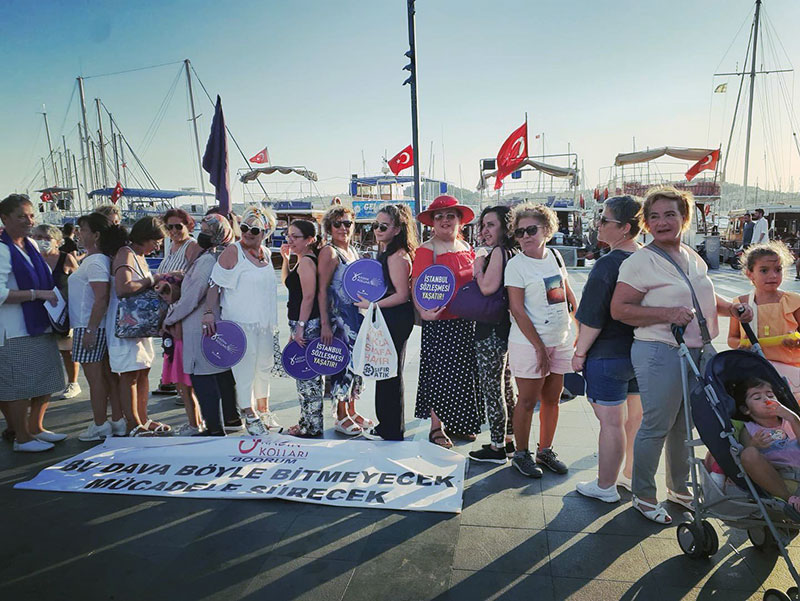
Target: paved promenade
point(533, 540)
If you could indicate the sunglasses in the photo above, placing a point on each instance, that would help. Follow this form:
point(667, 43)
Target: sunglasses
point(249, 228)
point(448, 216)
point(604, 220)
point(345, 224)
point(174, 226)
point(381, 227)
point(531, 230)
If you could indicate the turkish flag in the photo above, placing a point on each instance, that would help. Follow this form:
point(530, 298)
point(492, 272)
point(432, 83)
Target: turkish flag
point(118, 191)
point(261, 157)
point(46, 197)
point(707, 162)
point(402, 160)
point(605, 194)
point(583, 202)
point(511, 154)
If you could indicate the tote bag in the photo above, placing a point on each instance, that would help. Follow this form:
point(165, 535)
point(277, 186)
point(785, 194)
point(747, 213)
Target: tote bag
point(140, 316)
point(374, 355)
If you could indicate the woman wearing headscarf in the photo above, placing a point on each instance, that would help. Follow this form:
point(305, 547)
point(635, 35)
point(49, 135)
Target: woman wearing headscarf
point(211, 384)
point(244, 290)
point(30, 367)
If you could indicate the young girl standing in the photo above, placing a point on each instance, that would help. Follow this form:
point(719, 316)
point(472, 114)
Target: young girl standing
point(778, 312)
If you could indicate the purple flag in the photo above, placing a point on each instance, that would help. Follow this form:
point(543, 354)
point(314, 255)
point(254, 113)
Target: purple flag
point(215, 159)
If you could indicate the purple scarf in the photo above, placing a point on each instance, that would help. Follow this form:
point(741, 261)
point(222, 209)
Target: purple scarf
point(35, 276)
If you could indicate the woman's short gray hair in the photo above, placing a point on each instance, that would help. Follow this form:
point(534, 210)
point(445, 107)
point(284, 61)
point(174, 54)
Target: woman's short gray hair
point(49, 230)
point(626, 209)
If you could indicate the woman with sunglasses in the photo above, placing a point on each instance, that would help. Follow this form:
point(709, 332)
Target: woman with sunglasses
point(304, 317)
point(244, 285)
point(179, 253)
point(540, 340)
point(603, 353)
point(396, 235)
point(339, 316)
point(447, 371)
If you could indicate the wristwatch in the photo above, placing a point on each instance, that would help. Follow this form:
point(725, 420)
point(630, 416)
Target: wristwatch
point(302, 324)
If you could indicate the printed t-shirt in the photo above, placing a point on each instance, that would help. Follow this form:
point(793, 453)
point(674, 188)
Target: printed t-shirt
point(662, 286)
point(783, 451)
point(544, 283)
point(615, 338)
point(460, 263)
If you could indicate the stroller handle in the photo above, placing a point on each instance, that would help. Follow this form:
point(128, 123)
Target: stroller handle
point(677, 332)
point(751, 336)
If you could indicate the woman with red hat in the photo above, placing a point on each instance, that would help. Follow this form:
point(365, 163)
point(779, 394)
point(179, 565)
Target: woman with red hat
point(447, 369)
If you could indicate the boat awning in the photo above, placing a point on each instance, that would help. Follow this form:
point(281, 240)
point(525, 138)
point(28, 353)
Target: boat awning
point(148, 193)
point(552, 170)
point(55, 190)
point(686, 154)
point(301, 171)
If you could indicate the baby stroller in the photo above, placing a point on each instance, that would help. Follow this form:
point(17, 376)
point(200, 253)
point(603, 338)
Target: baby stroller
point(743, 504)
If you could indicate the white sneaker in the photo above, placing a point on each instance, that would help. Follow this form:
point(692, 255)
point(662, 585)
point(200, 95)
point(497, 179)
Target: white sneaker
point(94, 432)
point(32, 446)
point(187, 430)
point(48, 436)
point(72, 390)
point(270, 421)
point(119, 427)
point(591, 489)
point(255, 427)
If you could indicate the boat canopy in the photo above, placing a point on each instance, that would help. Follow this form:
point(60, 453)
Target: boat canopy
point(149, 193)
point(55, 190)
point(552, 170)
point(301, 171)
point(644, 156)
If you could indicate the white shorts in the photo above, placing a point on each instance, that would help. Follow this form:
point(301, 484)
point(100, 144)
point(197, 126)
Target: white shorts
point(523, 359)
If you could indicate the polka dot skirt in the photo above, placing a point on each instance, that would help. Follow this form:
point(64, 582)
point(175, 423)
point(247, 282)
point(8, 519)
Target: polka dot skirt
point(448, 375)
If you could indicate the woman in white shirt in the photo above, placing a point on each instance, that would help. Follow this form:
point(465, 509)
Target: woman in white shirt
point(89, 288)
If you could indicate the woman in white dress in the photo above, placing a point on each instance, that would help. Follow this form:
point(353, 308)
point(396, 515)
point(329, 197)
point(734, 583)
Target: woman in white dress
point(131, 358)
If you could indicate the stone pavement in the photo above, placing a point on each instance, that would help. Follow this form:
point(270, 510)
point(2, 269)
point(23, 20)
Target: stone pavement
point(515, 539)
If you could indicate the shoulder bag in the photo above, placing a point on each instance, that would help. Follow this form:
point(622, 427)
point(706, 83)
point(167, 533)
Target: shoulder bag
point(470, 303)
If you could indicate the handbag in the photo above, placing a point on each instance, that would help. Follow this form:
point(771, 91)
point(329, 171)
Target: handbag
point(140, 315)
point(471, 304)
point(708, 350)
point(374, 355)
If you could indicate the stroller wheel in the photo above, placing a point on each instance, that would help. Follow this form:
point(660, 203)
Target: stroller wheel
point(692, 540)
point(792, 593)
point(711, 539)
point(774, 594)
point(761, 538)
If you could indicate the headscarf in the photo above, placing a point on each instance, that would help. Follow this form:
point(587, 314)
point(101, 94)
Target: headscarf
point(219, 229)
point(254, 214)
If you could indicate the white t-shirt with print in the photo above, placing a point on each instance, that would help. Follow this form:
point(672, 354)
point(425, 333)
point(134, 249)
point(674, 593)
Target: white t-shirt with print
point(94, 268)
point(544, 283)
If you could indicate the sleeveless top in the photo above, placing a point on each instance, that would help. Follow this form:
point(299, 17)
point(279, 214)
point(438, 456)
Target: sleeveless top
point(175, 261)
point(59, 275)
point(772, 320)
point(339, 296)
point(296, 292)
point(459, 261)
point(249, 293)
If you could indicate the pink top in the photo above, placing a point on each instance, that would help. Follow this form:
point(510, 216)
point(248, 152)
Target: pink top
point(460, 263)
point(783, 451)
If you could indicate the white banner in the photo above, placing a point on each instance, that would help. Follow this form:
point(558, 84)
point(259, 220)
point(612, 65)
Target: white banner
point(415, 476)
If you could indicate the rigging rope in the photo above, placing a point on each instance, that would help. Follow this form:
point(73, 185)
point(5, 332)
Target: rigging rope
point(132, 70)
point(152, 129)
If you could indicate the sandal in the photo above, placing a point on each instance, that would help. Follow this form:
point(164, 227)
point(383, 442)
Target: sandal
point(440, 439)
point(686, 500)
point(655, 513)
point(301, 432)
point(352, 430)
point(147, 429)
point(363, 422)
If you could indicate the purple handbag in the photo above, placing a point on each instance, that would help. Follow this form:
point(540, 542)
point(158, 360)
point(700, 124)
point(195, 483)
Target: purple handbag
point(470, 303)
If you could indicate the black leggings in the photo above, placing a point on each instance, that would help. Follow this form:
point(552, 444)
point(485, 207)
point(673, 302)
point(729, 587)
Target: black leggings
point(390, 394)
point(210, 390)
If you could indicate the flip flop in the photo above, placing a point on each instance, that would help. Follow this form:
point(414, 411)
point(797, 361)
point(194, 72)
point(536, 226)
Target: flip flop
point(440, 439)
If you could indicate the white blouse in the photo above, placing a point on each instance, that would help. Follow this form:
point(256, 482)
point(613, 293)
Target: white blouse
point(12, 320)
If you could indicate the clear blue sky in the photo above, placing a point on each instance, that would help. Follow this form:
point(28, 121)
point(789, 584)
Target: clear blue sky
point(319, 81)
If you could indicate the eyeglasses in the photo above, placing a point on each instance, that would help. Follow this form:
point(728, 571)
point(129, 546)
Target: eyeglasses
point(174, 226)
point(344, 224)
point(381, 227)
point(448, 216)
point(604, 220)
point(531, 230)
point(253, 230)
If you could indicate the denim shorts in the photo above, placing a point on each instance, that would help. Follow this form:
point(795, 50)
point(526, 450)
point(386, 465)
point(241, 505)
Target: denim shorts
point(609, 381)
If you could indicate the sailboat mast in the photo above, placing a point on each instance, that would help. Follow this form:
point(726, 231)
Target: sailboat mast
point(750, 100)
point(85, 138)
point(50, 147)
point(194, 126)
point(101, 143)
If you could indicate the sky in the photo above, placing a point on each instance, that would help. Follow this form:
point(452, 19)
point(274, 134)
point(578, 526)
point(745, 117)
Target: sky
point(320, 82)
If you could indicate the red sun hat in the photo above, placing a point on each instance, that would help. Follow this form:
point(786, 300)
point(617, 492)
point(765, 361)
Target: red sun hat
point(445, 201)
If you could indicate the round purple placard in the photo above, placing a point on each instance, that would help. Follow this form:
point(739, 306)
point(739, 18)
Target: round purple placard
point(327, 359)
point(435, 286)
point(364, 278)
point(226, 347)
point(294, 362)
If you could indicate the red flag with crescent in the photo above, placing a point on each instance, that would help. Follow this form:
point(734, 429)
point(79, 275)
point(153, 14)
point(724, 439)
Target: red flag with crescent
point(46, 197)
point(402, 160)
point(707, 162)
point(261, 157)
point(511, 154)
point(117, 192)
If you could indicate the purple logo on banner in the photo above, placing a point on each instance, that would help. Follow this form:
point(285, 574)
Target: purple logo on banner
point(294, 362)
point(364, 278)
point(327, 359)
point(226, 347)
point(435, 286)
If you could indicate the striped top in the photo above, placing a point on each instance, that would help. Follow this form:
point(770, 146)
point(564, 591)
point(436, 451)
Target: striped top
point(175, 260)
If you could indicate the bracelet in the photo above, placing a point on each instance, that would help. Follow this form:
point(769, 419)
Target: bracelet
point(33, 294)
point(208, 312)
point(579, 356)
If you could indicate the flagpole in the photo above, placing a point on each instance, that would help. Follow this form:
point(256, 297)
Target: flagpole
point(411, 67)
